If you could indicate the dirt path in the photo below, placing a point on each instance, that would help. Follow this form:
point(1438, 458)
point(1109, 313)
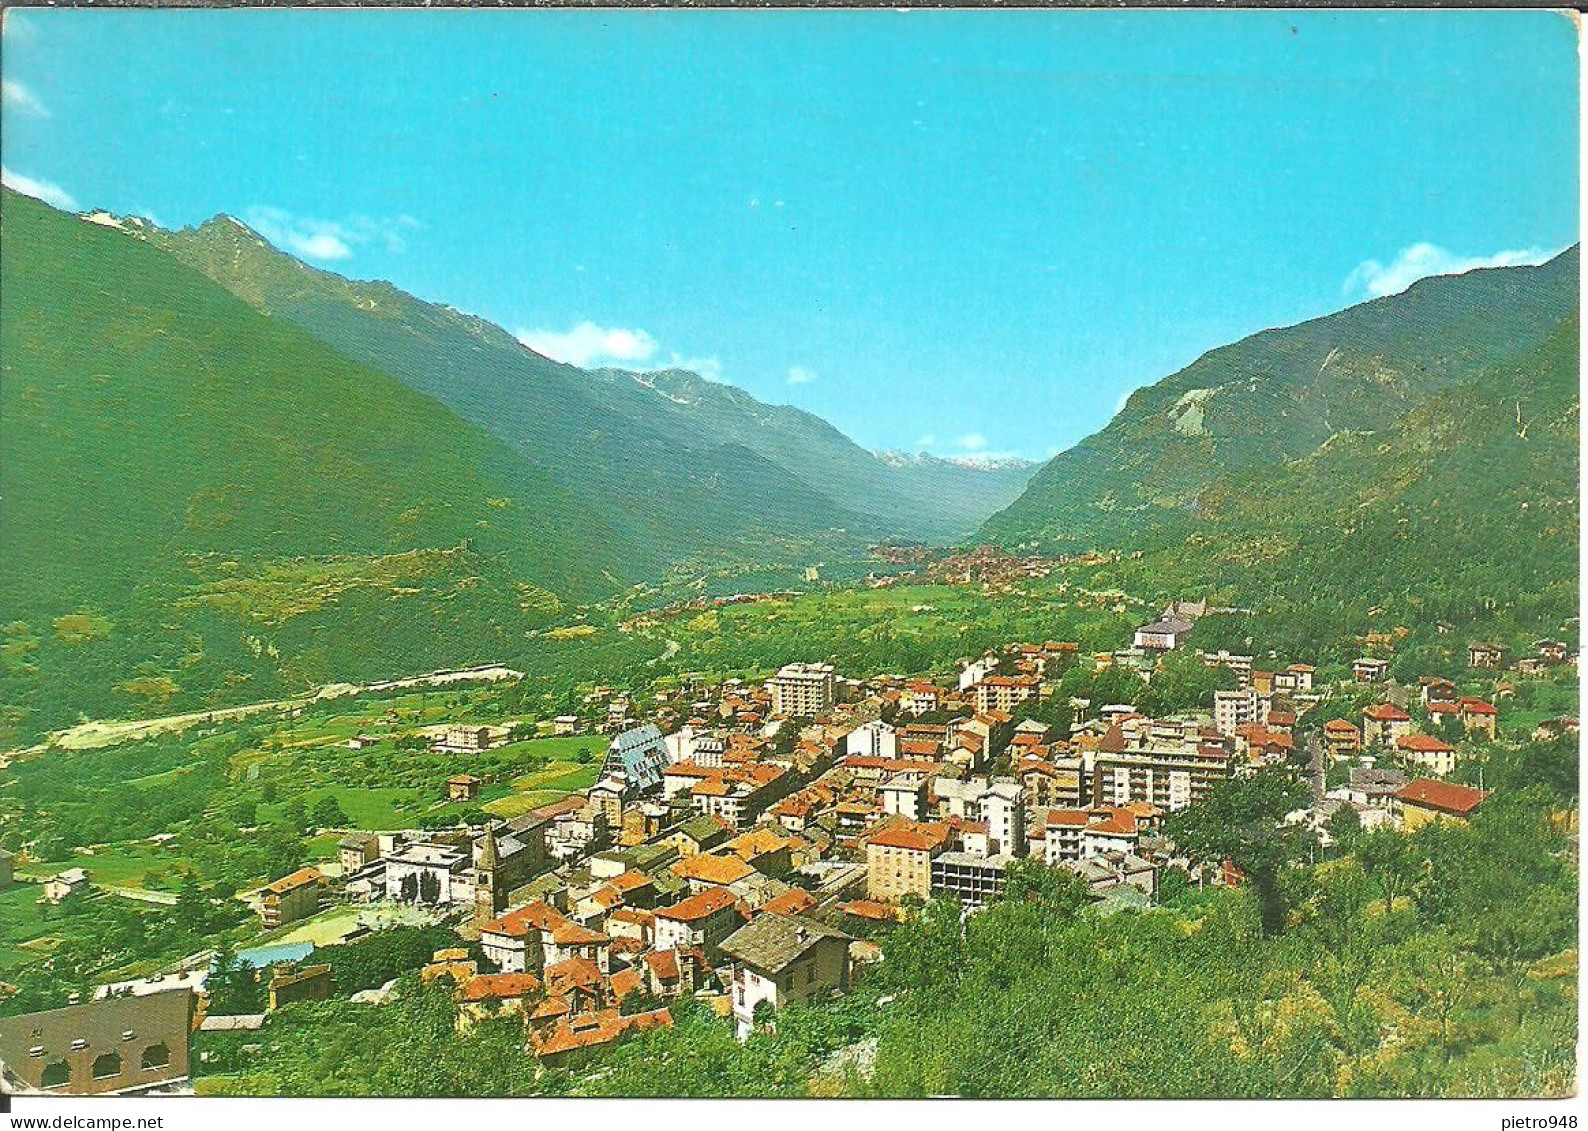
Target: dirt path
point(110, 732)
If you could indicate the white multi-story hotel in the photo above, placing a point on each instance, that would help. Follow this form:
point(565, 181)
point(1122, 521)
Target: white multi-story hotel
point(802, 690)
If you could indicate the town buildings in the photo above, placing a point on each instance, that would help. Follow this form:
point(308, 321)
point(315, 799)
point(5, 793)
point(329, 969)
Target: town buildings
point(1167, 764)
point(290, 898)
point(111, 1046)
point(1369, 669)
point(802, 690)
point(781, 960)
point(1162, 635)
point(1428, 753)
point(974, 879)
point(1004, 692)
point(1424, 801)
point(64, 885)
point(899, 859)
point(1384, 724)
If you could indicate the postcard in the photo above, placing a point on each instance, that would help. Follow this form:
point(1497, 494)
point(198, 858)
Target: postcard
point(803, 554)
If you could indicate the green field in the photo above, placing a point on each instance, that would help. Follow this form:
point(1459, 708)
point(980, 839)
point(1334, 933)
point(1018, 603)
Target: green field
point(542, 787)
point(21, 919)
point(121, 866)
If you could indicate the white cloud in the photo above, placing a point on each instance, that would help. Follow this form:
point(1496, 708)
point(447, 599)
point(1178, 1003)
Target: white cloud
point(1376, 279)
point(972, 442)
point(19, 98)
point(799, 375)
point(589, 345)
point(329, 240)
point(1119, 405)
point(47, 191)
point(708, 367)
point(926, 441)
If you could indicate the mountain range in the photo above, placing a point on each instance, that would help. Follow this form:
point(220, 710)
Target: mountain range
point(229, 475)
point(683, 468)
point(1411, 461)
point(202, 432)
point(1279, 396)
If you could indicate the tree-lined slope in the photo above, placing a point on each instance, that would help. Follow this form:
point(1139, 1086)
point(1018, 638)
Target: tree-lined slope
point(1281, 395)
point(202, 502)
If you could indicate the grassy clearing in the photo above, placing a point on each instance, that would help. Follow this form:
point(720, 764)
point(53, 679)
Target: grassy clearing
point(122, 866)
point(21, 921)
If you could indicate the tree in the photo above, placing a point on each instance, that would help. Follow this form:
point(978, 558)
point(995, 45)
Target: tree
point(328, 814)
point(640, 1000)
point(1057, 890)
point(1182, 682)
point(429, 887)
point(1239, 821)
point(192, 909)
point(408, 888)
point(1345, 826)
point(1387, 857)
point(233, 986)
point(283, 848)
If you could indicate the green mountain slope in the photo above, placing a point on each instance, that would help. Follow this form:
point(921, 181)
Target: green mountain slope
point(201, 502)
point(688, 467)
point(1466, 512)
point(1278, 396)
point(1452, 500)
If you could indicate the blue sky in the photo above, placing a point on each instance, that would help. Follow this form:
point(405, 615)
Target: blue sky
point(957, 232)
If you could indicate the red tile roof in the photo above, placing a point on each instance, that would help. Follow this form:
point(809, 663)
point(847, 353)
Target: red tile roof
point(570, 973)
point(590, 1030)
point(1424, 744)
point(699, 905)
point(916, 836)
point(569, 933)
point(664, 964)
point(625, 982)
point(792, 902)
point(1068, 818)
point(1386, 713)
point(499, 987)
point(1444, 796)
point(713, 869)
point(518, 923)
point(870, 909)
point(1112, 822)
point(635, 915)
point(301, 878)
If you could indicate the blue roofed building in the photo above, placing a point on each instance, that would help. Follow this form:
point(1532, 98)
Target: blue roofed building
point(638, 758)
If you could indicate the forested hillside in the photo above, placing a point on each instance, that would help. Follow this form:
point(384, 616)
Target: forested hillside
point(1241, 413)
point(203, 503)
point(1413, 461)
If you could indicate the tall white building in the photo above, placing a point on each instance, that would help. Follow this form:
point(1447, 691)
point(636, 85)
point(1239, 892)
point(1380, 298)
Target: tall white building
point(875, 739)
point(802, 690)
point(1233, 709)
point(976, 671)
point(1003, 808)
